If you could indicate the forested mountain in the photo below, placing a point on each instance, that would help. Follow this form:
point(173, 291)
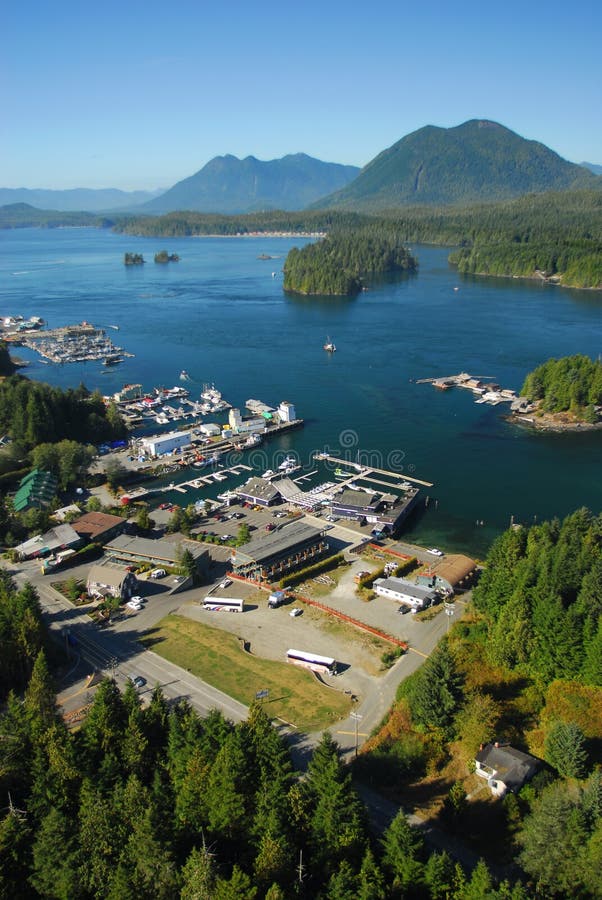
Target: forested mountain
point(571, 384)
point(22, 215)
point(76, 199)
point(476, 161)
point(231, 185)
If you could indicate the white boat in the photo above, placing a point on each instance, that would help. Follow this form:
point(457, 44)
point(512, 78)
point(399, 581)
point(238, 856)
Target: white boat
point(253, 440)
point(329, 346)
point(184, 376)
point(287, 464)
point(269, 473)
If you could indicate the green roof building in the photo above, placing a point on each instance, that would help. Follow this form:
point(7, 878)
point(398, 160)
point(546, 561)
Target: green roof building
point(35, 491)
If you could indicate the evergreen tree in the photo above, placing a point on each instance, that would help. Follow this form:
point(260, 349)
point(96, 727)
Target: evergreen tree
point(402, 849)
point(437, 690)
point(237, 887)
point(55, 858)
point(40, 701)
point(15, 856)
point(343, 884)
point(565, 749)
point(198, 875)
point(439, 875)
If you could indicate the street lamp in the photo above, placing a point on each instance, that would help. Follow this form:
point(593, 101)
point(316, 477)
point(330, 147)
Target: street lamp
point(357, 718)
point(450, 609)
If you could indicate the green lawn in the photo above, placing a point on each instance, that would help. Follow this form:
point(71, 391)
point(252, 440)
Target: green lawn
point(217, 657)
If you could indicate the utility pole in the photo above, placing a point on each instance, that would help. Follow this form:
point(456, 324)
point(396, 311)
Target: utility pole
point(357, 718)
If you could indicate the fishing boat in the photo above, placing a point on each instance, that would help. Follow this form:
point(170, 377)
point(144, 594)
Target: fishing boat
point(329, 346)
point(111, 360)
point(184, 376)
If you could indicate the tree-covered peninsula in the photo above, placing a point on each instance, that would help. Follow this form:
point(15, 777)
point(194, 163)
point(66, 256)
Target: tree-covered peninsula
point(337, 264)
point(567, 390)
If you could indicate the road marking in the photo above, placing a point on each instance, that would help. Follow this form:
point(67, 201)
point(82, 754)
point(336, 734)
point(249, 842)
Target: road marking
point(352, 733)
point(419, 652)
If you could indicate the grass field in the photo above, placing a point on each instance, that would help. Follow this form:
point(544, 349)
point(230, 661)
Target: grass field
point(218, 658)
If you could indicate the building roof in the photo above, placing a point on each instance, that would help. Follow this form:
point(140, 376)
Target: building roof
point(37, 488)
point(453, 568)
point(357, 499)
point(111, 576)
point(292, 493)
point(137, 548)
point(57, 537)
point(511, 766)
point(159, 439)
point(93, 524)
point(277, 543)
point(258, 488)
point(401, 586)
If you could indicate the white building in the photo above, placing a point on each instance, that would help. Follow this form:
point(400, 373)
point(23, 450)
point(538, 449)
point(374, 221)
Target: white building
point(287, 412)
point(417, 596)
point(245, 424)
point(160, 444)
point(210, 429)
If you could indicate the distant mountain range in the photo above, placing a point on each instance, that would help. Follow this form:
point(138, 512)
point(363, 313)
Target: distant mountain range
point(77, 199)
point(231, 185)
point(597, 170)
point(475, 162)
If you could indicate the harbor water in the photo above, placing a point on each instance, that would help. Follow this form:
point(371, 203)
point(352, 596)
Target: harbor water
point(221, 315)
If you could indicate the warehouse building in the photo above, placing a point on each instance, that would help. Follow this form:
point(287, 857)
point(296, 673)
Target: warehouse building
point(270, 556)
point(418, 596)
point(259, 492)
point(160, 444)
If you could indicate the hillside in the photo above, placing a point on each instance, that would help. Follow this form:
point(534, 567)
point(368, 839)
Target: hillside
point(76, 199)
point(230, 185)
point(22, 215)
point(474, 162)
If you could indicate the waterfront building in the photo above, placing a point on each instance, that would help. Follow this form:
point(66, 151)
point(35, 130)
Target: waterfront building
point(417, 596)
point(245, 424)
point(385, 511)
point(271, 555)
point(287, 412)
point(128, 393)
point(449, 574)
point(259, 492)
point(209, 429)
point(159, 445)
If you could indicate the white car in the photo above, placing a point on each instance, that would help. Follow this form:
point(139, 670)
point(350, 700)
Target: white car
point(435, 552)
point(158, 573)
point(134, 606)
point(295, 612)
point(226, 583)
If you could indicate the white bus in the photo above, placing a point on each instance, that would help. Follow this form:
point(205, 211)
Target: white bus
point(323, 664)
point(223, 604)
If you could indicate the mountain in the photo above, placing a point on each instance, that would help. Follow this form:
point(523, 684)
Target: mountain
point(76, 199)
point(474, 162)
point(230, 185)
point(597, 170)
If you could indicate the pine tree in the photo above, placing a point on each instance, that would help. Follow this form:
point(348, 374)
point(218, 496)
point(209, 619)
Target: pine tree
point(40, 698)
point(237, 887)
point(55, 858)
point(198, 875)
point(565, 749)
point(402, 849)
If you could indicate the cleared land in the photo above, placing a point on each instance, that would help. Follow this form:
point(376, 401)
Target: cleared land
point(217, 657)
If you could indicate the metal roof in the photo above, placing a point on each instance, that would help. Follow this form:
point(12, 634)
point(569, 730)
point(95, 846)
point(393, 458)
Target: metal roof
point(277, 543)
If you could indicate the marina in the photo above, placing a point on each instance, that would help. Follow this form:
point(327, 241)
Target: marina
point(483, 386)
point(70, 344)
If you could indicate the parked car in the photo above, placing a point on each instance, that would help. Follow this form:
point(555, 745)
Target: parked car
point(226, 583)
point(158, 573)
point(136, 607)
point(435, 551)
point(137, 599)
point(138, 681)
point(295, 612)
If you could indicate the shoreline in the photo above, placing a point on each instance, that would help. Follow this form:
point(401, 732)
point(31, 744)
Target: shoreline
point(548, 424)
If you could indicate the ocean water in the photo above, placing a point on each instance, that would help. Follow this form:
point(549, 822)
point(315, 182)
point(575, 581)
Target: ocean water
point(221, 314)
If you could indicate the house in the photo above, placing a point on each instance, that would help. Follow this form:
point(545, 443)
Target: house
point(98, 526)
point(111, 581)
point(505, 768)
point(454, 572)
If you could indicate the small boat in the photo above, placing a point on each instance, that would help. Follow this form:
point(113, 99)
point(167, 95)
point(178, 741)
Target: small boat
point(329, 346)
point(287, 464)
point(269, 473)
point(184, 376)
point(112, 360)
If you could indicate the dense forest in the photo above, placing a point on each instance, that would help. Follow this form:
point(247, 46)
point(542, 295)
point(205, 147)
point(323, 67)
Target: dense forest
point(32, 412)
point(184, 224)
point(571, 384)
point(153, 802)
point(22, 215)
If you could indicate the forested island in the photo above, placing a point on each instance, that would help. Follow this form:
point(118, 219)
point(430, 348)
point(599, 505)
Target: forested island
point(554, 236)
point(337, 264)
point(164, 257)
point(133, 259)
point(567, 392)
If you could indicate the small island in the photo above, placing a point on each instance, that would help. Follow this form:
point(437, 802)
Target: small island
point(563, 395)
point(133, 259)
point(164, 257)
point(337, 265)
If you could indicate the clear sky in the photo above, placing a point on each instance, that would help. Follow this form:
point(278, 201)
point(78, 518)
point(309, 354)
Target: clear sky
point(139, 94)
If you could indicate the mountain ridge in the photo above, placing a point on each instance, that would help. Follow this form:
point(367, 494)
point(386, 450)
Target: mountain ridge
point(229, 185)
point(75, 199)
point(477, 161)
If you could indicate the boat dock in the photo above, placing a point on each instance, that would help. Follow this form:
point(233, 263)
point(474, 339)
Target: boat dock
point(483, 386)
point(362, 473)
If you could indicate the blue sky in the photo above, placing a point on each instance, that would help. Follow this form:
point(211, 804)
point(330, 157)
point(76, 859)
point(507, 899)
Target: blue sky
point(141, 94)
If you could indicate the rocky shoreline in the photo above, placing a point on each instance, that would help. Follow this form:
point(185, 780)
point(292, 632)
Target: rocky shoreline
point(559, 422)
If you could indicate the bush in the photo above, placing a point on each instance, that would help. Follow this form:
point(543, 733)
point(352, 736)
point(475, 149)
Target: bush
point(332, 562)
